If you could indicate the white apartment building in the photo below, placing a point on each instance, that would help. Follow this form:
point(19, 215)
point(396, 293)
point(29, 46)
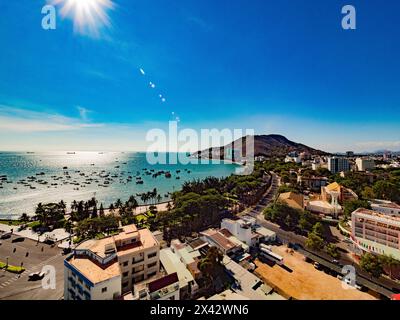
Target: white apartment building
point(364, 164)
point(108, 268)
point(386, 207)
point(246, 230)
point(375, 232)
point(338, 164)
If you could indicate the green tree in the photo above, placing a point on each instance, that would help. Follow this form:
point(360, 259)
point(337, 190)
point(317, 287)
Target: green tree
point(318, 229)
point(352, 205)
point(332, 250)
point(371, 264)
point(314, 242)
point(390, 262)
point(386, 190)
point(368, 193)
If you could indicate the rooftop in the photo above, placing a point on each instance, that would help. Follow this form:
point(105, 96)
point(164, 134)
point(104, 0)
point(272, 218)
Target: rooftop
point(386, 217)
point(163, 282)
point(333, 187)
point(172, 264)
point(219, 238)
point(93, 271)
point(292, 199)
point(197, 244)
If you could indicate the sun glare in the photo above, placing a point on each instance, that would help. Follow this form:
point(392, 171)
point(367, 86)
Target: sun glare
point(88, 16)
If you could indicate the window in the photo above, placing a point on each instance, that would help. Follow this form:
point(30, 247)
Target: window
point(138, 269)
point(151, 255)
point(125, 284)
point(125, 274)
point(151, 265)
point(125, 263)
point(151, 274)
point(103, 290)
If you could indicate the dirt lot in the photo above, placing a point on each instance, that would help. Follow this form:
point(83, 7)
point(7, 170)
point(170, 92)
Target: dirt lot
point(305, 282)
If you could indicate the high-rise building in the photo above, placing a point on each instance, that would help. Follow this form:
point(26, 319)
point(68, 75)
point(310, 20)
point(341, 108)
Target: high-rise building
point(364, 164)
point(338, 164)
point(376, 232)
point(108, 268)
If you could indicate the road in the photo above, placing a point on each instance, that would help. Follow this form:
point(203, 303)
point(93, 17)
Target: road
point(387, 286)
point(34, 257)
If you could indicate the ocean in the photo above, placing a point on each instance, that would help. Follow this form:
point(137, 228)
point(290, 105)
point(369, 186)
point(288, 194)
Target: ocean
point(27, 179)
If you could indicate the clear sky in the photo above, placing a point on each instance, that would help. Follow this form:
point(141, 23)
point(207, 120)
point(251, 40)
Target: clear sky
point(282, 67)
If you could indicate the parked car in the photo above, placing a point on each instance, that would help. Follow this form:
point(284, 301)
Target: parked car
point(36, 276)
point(317, 266)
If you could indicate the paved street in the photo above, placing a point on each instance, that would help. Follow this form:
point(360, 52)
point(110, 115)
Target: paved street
point(288, 236)
point(33, 256)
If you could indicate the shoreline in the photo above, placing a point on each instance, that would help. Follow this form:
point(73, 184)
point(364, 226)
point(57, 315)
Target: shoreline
point(161, 207)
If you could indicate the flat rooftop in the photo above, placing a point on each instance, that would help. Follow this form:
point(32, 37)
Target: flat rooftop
point(93, 271)
point(372, 213)
point(147, 241)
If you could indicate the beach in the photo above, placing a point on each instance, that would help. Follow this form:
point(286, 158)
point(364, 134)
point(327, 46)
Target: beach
point(28, 178)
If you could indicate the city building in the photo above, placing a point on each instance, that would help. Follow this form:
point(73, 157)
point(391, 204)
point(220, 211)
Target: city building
point(338, 164)
point(293, 200)
point(183, 260)
point(108, 268)
point(217, 239)
point(385, 207)
point(246, 230)
point(293, 157)
point(334, 189)
point(375, 232)
point(365, 164)
point(162, 288)
point(324, 207)
point(313, 183)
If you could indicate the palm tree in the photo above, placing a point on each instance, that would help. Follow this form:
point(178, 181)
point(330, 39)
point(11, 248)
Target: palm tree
point(62, 206)
point(24, 218)
point(390, 263)
point(118, 203)
point(159, 198)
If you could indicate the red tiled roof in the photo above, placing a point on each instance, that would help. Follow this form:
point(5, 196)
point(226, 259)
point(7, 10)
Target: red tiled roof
point(163, 282)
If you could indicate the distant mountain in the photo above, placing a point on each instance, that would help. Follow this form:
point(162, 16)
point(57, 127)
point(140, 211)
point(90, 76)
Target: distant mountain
point(272, 145)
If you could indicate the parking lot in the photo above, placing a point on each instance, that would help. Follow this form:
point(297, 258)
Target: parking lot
point(300, 280)
point(33, 257)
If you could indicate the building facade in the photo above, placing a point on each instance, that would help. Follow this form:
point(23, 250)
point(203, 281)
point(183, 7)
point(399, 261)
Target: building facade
point(364, 164)
point(338, 164)
point(375, 232)
point(108, 268)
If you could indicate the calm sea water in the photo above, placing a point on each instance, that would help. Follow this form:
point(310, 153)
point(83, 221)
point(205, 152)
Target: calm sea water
point(48, 177)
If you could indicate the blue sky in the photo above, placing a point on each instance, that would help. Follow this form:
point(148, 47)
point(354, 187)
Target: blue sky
point(274, 66)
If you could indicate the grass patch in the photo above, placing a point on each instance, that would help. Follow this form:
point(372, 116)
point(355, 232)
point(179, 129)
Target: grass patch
point(11, 268)
point(11, 222)
point(141, 218)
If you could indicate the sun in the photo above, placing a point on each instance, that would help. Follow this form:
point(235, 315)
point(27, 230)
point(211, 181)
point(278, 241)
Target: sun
point(88, 16)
